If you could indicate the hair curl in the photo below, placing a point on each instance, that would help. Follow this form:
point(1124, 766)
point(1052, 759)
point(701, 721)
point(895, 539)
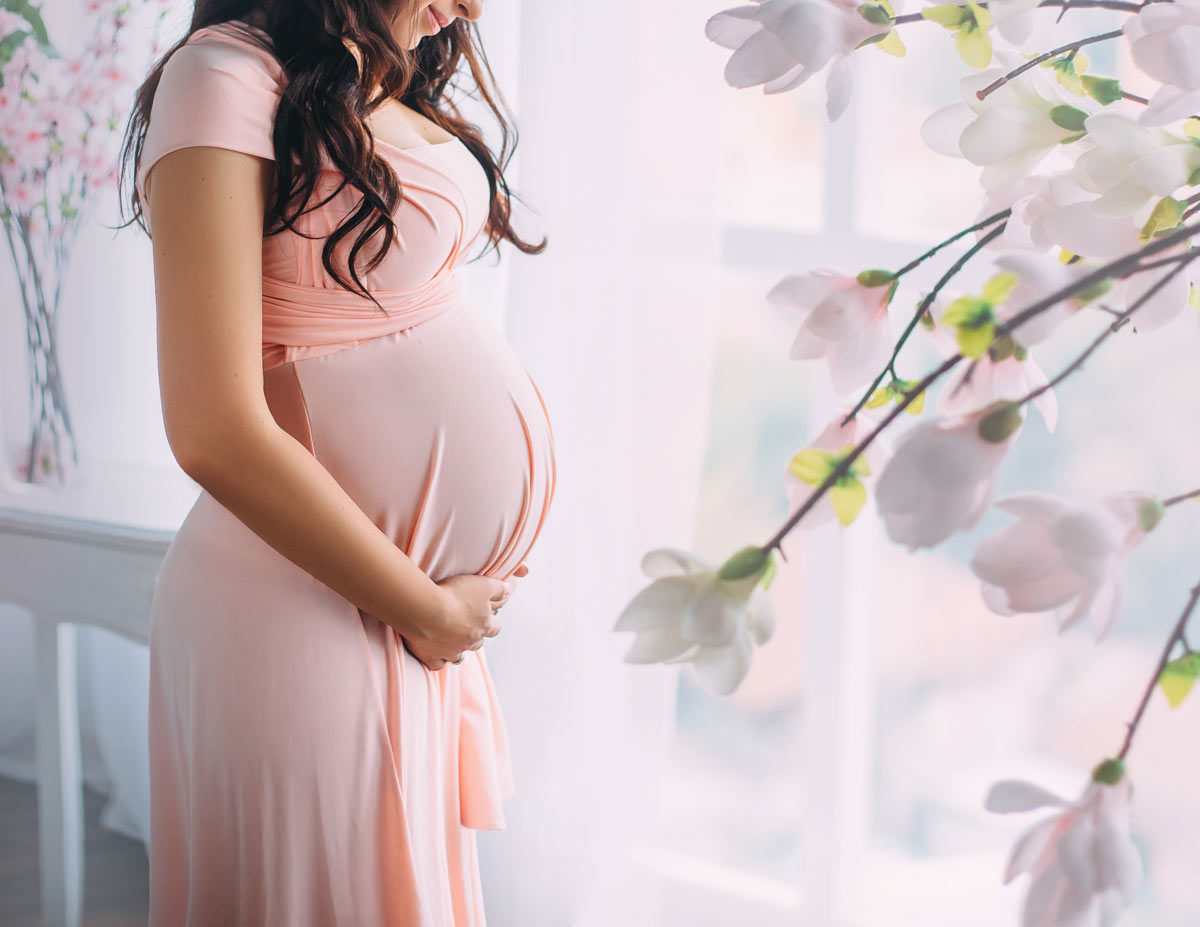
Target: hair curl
point(323, 106)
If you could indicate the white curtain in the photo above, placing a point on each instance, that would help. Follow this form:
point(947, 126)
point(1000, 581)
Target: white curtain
point(617, 165)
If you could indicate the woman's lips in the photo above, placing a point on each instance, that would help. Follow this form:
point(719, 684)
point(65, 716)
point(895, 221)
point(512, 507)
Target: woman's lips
point(433, 23)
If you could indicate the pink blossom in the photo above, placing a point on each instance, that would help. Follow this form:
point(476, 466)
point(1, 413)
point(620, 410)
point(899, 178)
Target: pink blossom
point(1064, 555)
point(840, 320)
point(942, 474)
point(1083, 865)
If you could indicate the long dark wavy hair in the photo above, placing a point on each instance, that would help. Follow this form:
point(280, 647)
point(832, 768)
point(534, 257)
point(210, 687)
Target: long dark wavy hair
point(323, 105)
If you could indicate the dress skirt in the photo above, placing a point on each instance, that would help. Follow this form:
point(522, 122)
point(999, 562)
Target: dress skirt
point(306, 769)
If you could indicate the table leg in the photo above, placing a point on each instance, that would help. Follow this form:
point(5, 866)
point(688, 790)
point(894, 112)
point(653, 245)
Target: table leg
point(60, 795)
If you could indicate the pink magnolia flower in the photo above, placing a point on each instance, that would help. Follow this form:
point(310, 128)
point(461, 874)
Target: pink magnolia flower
point(1064, 555)
point(780, 44)
point(942, 474)
point(807, 470)
point(1162, 40)
point(1083, 865)
point(841, 320)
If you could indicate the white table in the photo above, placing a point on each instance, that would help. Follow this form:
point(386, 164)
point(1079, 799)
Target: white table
point(87, 553)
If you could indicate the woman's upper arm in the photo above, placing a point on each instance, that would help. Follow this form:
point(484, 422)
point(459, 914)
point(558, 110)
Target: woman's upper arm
point(205, 209)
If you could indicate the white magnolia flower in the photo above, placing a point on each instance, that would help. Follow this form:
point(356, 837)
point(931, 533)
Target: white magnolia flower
point(941, 475)
point(1130, 164)
point(1064, 555)
point(1083, 865)
point(782, 43)
point(1014, 19)
point(1010, 131)
point(1163, 38)
point(841, 320)
point(690, 614)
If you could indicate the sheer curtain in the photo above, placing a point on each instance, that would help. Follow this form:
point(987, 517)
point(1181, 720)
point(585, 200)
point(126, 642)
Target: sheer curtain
point(617, 165)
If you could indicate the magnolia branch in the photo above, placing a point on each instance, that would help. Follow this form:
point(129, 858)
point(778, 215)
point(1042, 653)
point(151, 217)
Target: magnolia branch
point(1121, 266)
point(1075, 365)
point(1177, 635)
point(1070, 46)
point(927, 302)
point(1074, 4)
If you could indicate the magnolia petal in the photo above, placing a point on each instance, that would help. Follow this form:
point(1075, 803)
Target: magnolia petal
point(1118, 862)
point(942, 130)
point(1064, 618)
point(1040, 901)
point(656, 645)
point(760, 618)
point(1164, 305)
point(1058, 587)
point(856, 361)
point(759, 59)
point(1169, 104)
point(672, 561)
point(1005, 130)
point(1079, 229)
point(720, 670)
point(809, 33)
point(996, 599)
point(731, 28)
point(1107, 607)
point(658, 605)
point(807, 290)
point(839, 84)
point(1030, 848)
point(1087, 531)
point(1075, 854)
point(1164, 170)
point(1018, 553)
point(789, 80)
point(1034, 505)
point(711, 617)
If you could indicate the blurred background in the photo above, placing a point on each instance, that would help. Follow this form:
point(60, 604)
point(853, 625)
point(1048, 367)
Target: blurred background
point(843, 783)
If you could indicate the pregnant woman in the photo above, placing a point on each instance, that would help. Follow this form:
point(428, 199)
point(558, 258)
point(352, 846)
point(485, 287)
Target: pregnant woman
point(375, 464)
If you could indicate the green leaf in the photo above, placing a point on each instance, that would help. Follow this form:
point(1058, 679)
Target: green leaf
point(1164, 217)
point(1178, 677)
point(873, 278)
point(1001, 422)
point(974, 341)
point(974, 45)
point(812, 465)
point(950, 15)
point(998, 288)
point(768, 572)
point(1194, 177)
point(874, 13)
point(1110, 772)
point(848, 499)
point(744, 563)
point(1150, 513)
point(1104, 90)
point(1068, 117)
point(1064, 69)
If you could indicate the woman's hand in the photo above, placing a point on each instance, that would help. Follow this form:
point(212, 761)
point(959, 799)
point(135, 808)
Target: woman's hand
point(469, 618)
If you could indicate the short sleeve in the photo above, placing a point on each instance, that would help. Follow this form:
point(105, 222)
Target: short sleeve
point(216, 90)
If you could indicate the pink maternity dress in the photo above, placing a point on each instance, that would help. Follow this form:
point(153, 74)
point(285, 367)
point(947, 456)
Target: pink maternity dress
point(306, 769)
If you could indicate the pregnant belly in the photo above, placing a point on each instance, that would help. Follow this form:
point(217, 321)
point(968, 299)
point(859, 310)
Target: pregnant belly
point(437, 432)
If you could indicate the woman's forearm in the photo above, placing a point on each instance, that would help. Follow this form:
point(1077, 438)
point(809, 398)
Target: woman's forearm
point(278, 489)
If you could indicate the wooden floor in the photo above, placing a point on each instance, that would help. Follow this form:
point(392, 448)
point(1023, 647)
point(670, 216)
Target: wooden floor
point(115, 868)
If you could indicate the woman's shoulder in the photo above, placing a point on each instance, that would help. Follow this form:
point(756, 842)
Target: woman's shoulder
point(233, 47)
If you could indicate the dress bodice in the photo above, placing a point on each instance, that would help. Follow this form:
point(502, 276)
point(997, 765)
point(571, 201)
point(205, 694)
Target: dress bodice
point(221, 89)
